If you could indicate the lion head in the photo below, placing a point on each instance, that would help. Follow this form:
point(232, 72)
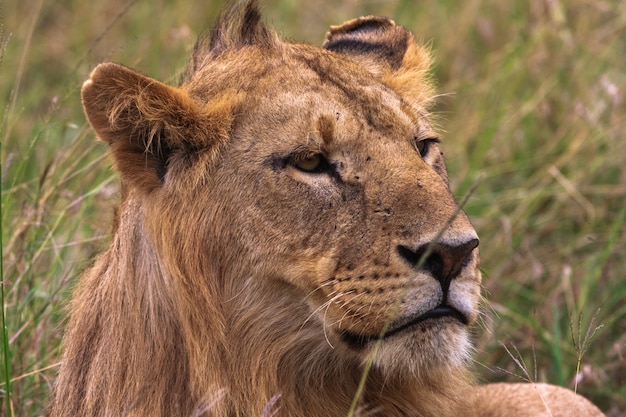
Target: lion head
point(285, 223)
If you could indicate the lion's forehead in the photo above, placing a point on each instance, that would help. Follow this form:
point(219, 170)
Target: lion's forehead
point(374, 108)
point(304, 84)
point(326, 116)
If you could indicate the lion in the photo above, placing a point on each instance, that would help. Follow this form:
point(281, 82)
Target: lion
point(286, 243)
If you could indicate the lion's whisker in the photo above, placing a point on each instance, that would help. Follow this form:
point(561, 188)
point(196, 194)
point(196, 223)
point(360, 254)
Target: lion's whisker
point(323, 306)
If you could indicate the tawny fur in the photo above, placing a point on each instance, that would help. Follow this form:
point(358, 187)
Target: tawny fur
point(239, 282)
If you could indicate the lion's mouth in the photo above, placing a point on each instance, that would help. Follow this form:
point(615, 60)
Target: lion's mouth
point(360, 341)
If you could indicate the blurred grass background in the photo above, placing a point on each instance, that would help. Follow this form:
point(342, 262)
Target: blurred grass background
point(533, 107)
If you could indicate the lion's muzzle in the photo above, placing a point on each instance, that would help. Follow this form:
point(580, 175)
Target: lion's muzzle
point(444, 261)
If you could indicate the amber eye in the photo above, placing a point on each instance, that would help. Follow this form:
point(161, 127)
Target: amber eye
point(311, 164)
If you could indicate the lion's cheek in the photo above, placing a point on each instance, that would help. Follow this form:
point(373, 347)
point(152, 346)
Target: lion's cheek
point(306, 270)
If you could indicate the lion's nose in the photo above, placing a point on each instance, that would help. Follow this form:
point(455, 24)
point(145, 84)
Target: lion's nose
point(443, 260)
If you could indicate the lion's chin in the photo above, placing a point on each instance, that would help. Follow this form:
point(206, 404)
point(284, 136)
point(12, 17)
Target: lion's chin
point(438, 341)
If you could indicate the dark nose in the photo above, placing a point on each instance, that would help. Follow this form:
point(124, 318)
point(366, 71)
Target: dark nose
point(443, 260)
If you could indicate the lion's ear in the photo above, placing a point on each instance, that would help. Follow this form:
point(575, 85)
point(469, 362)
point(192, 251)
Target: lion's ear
point(386, 50)
point(145, 122)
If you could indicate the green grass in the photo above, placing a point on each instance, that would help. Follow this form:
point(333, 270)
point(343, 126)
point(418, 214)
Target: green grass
point(534, 104)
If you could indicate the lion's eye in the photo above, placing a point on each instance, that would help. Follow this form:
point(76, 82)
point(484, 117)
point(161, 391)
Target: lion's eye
point(423, 145)
point(311, 164)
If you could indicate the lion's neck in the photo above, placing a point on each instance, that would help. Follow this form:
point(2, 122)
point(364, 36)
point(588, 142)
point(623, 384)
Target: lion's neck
point(123, 348)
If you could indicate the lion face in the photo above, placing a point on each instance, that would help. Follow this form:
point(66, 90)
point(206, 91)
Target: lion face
point(307, 177)
point(350, 212)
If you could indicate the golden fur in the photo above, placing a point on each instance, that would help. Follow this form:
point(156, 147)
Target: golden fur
point(285, 222)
